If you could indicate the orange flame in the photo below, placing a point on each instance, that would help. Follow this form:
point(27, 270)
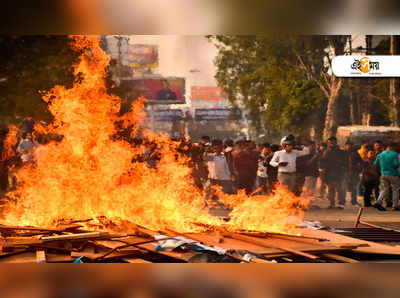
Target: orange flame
point(89, 174)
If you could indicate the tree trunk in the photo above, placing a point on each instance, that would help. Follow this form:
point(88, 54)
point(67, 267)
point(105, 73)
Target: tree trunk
point(394, 99)
point(353, 114)
point(393, 112)
point(331, 119)
point(367, 99)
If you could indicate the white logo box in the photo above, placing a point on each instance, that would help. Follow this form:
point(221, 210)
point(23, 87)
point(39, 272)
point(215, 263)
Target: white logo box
point(371, 66)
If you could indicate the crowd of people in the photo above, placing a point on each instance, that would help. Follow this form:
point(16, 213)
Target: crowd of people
point(303, 167)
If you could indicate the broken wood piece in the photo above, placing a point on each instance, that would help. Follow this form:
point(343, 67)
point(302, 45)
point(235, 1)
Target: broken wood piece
point(260, 261)
point(151, 248)
point(136, 261)
point(99, 256)
point(3, 227)
point(357, 220)
point(263, 244)
point(18, 243)
point(135, 244)
point(280, 235)
point(349, 246)
point(367, 224)
point(40, 256)
point(340, 258)
point(61, 228)
point(85, 236)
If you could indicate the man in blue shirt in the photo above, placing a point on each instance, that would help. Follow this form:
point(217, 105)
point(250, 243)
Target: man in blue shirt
point(388, 162)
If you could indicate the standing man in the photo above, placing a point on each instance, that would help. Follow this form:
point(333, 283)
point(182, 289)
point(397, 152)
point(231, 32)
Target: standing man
point(322, 183)
point(370, 178)
point(262, 172)
point(218, 168)
point(310, 170)
point(378, 147)
point(332, 168)
point(353, 170)
point(388, 162)
point(245, 164)
point(285, 161)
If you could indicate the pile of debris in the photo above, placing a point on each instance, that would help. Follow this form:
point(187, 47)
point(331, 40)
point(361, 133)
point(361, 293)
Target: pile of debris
point(73, 243)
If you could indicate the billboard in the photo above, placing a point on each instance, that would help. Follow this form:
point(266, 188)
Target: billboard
point(207, 93)
point(217, 114)
point(160, 90)
point(168, 115)
point(142, 56)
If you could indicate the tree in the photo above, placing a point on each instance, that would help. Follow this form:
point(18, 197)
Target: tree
point(31, 64)
point(289, 75)
point(315, 58)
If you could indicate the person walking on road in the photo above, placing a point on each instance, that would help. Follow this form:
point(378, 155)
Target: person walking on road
point(332, 168)
point(388, 162)
point(353, 170)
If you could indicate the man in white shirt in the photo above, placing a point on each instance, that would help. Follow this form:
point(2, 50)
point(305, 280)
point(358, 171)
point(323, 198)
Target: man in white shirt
point(26, 147)
point(285, 160)
point(218, 168)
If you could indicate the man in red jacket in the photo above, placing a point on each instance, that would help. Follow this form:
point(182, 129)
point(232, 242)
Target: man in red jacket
point(245, 164)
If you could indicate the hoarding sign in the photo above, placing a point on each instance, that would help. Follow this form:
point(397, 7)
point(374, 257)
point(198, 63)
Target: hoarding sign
point(166, 115)
point(160, 90)
point(200, 104)
point(217, 114)
point(143, 56)
point(207, 93)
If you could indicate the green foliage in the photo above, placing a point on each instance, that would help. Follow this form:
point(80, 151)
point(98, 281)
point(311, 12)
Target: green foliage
point(266, 74)
point(31, 64)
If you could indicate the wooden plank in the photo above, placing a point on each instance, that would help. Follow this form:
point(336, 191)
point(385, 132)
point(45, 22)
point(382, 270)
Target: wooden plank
point(18, 243)
point(13, 253)
point(4, 227)
point(27, 228)
point(94, 256)
point(40, 256)
point(27, 257)
point(136, 261)
point(270, 245)
point(147, 247)
point(260, 261)
point(340, 258)
point(311, 250)
point(56, 258)
point(78, 236)
point(373, 248)
point(280, 235)
point(367, 224)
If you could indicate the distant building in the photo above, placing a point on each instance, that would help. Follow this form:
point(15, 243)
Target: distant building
point(164, 56)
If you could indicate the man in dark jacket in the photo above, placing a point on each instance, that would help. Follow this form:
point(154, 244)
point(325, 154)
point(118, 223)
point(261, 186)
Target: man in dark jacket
point(370, 178)
point(333, 166)
point(353, 170)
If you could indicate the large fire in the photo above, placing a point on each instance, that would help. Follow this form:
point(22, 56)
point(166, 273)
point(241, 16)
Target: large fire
point(90, 173)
